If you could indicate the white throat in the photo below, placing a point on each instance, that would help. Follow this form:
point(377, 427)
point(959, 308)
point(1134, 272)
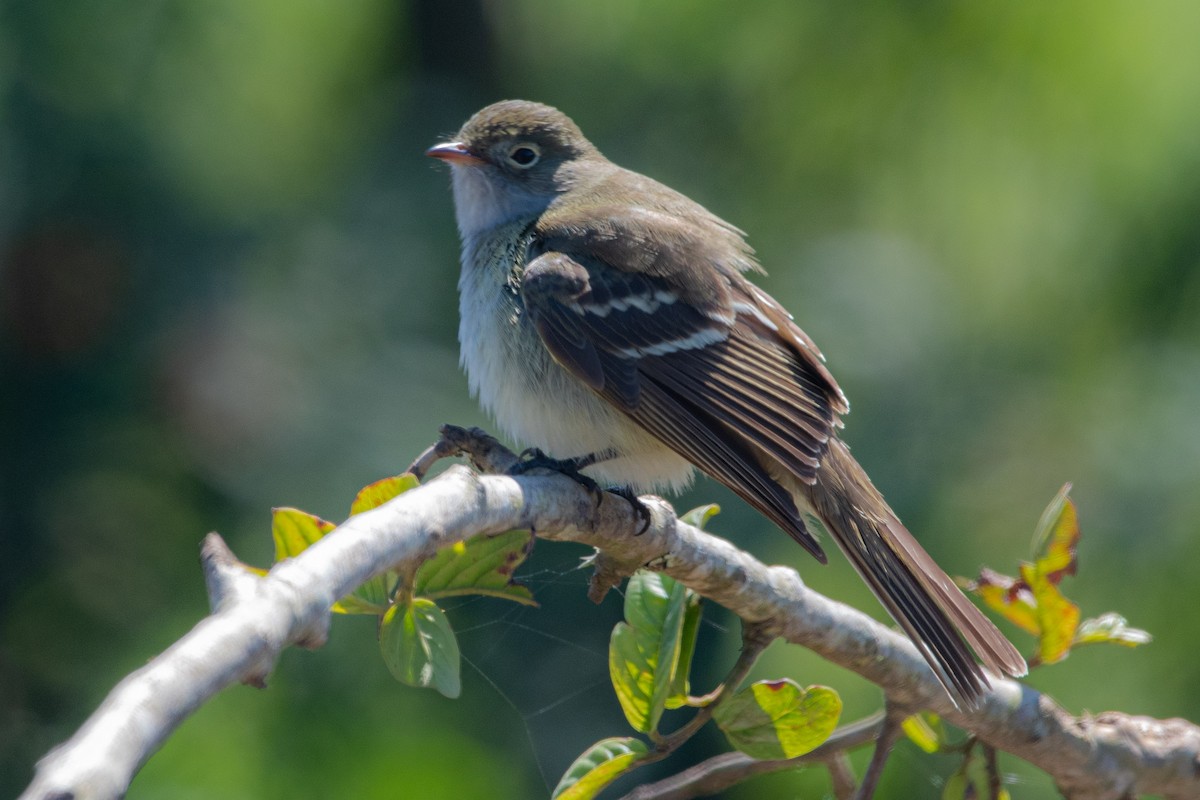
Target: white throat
point(483, 202)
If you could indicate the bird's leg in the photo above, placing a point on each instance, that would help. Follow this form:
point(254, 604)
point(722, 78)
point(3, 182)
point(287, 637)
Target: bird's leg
point(533, 458)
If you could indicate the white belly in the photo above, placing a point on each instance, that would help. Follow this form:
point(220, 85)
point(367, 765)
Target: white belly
point(533, 399)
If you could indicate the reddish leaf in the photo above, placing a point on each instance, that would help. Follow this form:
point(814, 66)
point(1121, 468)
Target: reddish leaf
point(1007, 596)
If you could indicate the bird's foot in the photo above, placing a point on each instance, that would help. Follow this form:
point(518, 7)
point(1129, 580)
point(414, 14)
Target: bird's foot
point(533, 458)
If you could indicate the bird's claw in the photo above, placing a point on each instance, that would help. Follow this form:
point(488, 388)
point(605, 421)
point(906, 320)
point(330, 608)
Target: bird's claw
point(639, 508)
point(532, 458)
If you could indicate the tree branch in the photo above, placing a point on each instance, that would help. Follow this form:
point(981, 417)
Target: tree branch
point(1106, 757)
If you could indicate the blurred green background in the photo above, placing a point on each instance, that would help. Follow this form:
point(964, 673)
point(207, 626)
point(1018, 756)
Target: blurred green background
point(227, 282)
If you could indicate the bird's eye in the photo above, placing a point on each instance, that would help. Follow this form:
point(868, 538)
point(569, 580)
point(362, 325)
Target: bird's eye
point(524, 156)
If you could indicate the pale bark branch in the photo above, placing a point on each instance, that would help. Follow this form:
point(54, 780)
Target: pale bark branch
point(1110, 756)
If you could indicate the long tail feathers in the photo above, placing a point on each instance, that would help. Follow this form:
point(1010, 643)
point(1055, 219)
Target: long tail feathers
point(915, 591)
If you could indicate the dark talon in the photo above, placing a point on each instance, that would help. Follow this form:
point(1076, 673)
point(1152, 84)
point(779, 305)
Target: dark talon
point(639, 508)
point(533, 458)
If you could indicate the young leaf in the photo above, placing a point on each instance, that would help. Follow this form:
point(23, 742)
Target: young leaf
point(779, 719)
point(699, 516)
point(598, 766)
point(1057, 538)
point(1110, 627)
point(925, 730)
point(481, 565)
point(1034, 601)
point(376, 494)
point(1058, 617)
point(643, 653)
point(419, 647)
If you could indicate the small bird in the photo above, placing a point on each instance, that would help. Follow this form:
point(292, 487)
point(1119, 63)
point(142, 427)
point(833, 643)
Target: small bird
point(607, 320)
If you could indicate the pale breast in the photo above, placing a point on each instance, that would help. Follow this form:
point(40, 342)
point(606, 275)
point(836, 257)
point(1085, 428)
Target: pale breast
point(532, 398)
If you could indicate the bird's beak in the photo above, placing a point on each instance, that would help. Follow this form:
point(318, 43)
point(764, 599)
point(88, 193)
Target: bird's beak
point(454, 153)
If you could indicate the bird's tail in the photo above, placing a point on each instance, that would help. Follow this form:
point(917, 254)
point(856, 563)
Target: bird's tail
point(931, 609)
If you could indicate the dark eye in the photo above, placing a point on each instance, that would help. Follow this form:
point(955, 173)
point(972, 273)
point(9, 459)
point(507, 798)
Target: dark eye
point(523, 156)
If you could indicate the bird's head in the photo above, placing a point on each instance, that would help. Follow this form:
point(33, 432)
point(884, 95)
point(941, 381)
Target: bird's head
point(511, 160)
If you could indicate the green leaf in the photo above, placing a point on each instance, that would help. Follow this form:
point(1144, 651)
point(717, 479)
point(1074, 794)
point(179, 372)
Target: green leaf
point(1110, 627)
point(373, 596)
point(481, 565)
point(644, 651)
point(779, 719)
point(598, 766)
point(681, 685)
point(925, 730)
point(956, 786)
point(294, 530)
point(419, 647)
point(379, 492)
point(699, 516)
point(370, 598)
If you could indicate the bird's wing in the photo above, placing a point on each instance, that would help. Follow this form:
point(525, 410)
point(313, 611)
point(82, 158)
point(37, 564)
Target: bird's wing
point(722, 376)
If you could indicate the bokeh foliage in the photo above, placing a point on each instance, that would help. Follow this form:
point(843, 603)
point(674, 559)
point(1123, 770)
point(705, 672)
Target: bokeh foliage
point(227, 283)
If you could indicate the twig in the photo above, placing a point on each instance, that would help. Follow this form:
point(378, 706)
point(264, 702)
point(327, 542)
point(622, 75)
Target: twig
point(993, 771)
point(728, 769)
point(888, 733)
point(754, 641)
point(841, 775)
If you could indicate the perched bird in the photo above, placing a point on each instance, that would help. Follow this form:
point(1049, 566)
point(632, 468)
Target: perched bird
point(607, 319)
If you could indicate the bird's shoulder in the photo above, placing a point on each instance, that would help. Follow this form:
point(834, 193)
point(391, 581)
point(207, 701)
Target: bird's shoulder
point(628, 222)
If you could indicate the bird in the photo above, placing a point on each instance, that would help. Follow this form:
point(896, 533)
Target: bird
point(607, 320)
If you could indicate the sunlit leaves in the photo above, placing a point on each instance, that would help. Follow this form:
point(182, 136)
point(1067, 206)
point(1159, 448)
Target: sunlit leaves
point(1057, 617)
point(598, 766)
point(645, 650)
point(481, 565)
point(649, 657)
point(779, 719)
point(376, 494)
point(925, 730)
point(294, 530)
point(1110, 627)
point(1034, 601)
point(419, 647)
point(415, 638)
point(699, 516)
